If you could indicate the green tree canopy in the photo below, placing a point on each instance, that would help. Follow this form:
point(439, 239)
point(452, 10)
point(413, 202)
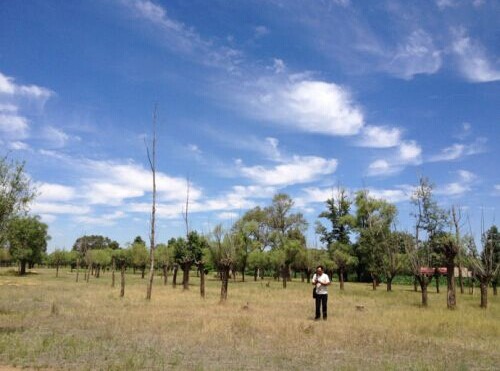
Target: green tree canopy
point(16, 192)
point(27, 239)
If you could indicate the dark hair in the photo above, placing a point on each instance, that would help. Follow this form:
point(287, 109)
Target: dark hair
point(320, 266)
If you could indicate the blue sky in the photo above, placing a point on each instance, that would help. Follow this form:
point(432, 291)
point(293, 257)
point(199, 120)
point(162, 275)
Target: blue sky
point(254, 98)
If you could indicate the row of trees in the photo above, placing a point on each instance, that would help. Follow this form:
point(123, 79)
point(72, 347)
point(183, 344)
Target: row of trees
point(359, 235)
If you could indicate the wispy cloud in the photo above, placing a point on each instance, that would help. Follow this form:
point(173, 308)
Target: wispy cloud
point(460, 150)
point(183, 39)
point(464, 184)
point(416, 55)
point(473, 60)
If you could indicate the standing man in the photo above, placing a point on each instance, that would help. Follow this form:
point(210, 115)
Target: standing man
point(321, 281)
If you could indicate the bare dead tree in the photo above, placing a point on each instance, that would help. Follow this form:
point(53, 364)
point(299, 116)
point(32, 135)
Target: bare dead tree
point(456, 219)
point(152, 164)
point(185, 216)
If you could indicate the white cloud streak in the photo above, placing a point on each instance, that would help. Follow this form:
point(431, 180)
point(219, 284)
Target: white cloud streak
point(473, 60)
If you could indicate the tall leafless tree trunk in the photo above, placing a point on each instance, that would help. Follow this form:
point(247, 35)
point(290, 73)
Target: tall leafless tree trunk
point(152, 163)
point(174, 278)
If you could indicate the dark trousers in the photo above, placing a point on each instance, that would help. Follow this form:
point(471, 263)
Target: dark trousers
point(321, 302)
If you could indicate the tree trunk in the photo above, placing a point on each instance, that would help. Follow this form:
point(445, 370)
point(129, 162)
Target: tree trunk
point(243, 273)
point(122, 283)
point(484, 294)
point(113, 273)
point(224, 282)
point(284, 272)
point(165, 274)
point(415, 287)
point(22, 269)
point(185, 275)
point(255, 273)
point(341, 278)
point(389, 282)
point(88, 273)
point(143, 271)
point(374, 282)
point(451, 297)
point(57, 270)
point(174, 279)
point(423, 286)
point(77, 269)
point(201, 268)
point(437, 282)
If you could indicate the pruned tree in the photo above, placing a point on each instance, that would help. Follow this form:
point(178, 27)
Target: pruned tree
point(165, 259)
point(343, 258)
point(394, 259)
point(122, 260)
point(486, 265)
point(223, 255)
point(57, 258)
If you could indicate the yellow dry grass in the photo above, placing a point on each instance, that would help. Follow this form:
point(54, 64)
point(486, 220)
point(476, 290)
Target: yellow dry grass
point(59, 324)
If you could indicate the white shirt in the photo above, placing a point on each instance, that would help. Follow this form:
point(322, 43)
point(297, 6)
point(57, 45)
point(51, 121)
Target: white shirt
point(323, 279)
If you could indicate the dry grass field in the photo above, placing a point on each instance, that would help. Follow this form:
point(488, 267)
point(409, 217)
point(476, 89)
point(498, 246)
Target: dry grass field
point(49, 323)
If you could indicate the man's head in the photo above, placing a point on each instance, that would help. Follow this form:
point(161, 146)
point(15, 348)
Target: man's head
point(319, 270)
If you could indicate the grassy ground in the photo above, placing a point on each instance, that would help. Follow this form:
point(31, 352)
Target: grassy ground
point(59, 324)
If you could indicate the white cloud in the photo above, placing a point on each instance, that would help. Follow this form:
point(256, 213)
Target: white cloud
point(58, 208)
point(390, 195)
point(56, 136)
point(54, 192)
point(407, 153)
point(227, 215)
point(383, 167)
point(19, 146)
point(9, 87)
point(473, 60)
point(460, 187)
point(466, 176)
point(306, 105)
point(417, 55)
point(380, 137)
point(14, 126)
point(106, 219)
point(184, 39)
point(459, 150)
point(300, 169)
point(410, 152)
point(112, 182)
